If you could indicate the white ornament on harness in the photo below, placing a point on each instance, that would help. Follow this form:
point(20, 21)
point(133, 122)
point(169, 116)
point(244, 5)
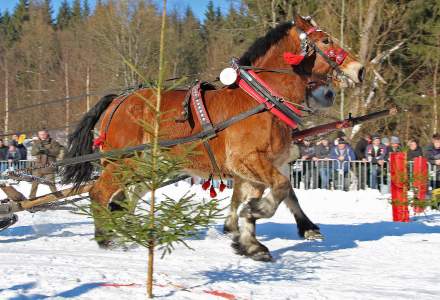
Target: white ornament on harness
point(228, 76)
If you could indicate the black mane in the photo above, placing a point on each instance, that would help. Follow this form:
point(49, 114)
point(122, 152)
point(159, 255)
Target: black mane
point(263, 44)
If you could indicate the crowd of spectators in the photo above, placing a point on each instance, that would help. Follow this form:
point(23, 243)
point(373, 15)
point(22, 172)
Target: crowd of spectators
point(327, 158)
point(13, 151)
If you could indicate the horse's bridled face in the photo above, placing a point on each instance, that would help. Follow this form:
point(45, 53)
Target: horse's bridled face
point(354, 70)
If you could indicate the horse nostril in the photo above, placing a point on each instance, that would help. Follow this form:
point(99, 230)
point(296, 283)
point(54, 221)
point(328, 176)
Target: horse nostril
point(361, 74)
point(330, 95)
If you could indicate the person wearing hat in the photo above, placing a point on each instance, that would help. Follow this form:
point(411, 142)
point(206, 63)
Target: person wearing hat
point(342, 153)
point(393, 147)
point(375, 154)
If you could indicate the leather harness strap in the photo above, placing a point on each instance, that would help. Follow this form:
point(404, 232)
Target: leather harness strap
point(205, 122)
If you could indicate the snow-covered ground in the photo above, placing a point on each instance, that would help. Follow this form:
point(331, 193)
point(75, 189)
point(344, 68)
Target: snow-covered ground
point(51, 255)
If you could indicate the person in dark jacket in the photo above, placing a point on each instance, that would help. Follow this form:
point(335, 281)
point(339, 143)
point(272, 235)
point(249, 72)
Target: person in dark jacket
point(323, 162)
point(432, 153)
point(3, 150)
point(414, 149)
point(363, 170)
point(14, 156)
point(3, 156)
point(361, 146)
point(375, 154)
point(45, 150)
point(307, 152)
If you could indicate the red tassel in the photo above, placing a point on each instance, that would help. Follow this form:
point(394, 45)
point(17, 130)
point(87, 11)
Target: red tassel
point(293, 59)
point(222, 186)
point(212, 192)
point(206, 184)
point(99, 141)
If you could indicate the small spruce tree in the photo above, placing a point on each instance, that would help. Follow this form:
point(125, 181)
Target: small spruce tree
point(148, 222)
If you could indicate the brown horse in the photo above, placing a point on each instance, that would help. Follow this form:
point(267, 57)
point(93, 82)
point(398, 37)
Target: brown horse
point(251, 151)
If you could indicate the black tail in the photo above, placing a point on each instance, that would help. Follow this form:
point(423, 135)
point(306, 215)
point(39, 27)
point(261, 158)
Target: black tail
point(81, 143)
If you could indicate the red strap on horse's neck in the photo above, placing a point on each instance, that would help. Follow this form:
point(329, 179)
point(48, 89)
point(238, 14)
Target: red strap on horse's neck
point(260, 99)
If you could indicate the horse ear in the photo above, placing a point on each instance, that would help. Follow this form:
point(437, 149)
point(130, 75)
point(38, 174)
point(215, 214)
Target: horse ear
point(302, 23)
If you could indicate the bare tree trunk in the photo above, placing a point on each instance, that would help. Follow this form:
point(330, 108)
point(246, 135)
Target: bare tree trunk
point(6, 125)
point(342, 45)
point(88, 89)
point(66, 81)
point(274, 13)
point(366, 29)
point(435, 98)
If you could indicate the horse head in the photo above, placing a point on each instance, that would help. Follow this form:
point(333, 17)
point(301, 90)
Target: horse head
point(315, 59)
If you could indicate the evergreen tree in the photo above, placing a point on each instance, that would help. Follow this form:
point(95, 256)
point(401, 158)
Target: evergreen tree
point(47, 12)
point(76, 11)
point(86, 9)
point(19, 17)
point(64, 15)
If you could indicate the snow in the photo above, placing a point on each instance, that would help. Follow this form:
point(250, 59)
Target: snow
point(52, 255)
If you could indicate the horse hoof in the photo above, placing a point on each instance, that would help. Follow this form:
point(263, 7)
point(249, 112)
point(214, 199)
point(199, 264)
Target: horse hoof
point(262, 256)
point(107, 244)
point(313, 235)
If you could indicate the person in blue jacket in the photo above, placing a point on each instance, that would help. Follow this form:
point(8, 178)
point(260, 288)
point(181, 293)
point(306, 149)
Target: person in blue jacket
point(343, 153)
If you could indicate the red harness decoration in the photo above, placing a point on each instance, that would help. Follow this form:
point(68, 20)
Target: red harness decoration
point(99, 141)
point(337, 55)
point(257, 96)
point(292, 58)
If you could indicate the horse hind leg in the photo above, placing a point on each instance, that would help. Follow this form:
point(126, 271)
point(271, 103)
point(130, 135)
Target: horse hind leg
point(105, 194)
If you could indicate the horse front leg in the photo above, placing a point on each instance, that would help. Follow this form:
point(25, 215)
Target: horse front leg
point(306, 228)
point(242, 190)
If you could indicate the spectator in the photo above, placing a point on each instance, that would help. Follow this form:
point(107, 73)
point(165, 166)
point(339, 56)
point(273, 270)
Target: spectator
point(3, 151)
point(307, 152)
point(375, 154)
point(45, 150)
point(386, 142)
point(13, 156)
point(3, 156)
point(342, 153)
point(340, 135)
point(362, 168)
point(361, 146)
point(394, 145)
point(414, 149)
point(17, 142)
point(432, 153)
point(322, 157)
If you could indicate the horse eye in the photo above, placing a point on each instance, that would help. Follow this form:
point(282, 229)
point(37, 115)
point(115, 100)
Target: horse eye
point(326, 41)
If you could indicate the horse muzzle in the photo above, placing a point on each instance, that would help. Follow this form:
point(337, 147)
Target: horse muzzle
point(322, 96)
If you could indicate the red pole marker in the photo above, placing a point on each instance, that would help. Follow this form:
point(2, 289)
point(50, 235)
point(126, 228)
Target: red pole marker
point(399, 187)
point(420, 174)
